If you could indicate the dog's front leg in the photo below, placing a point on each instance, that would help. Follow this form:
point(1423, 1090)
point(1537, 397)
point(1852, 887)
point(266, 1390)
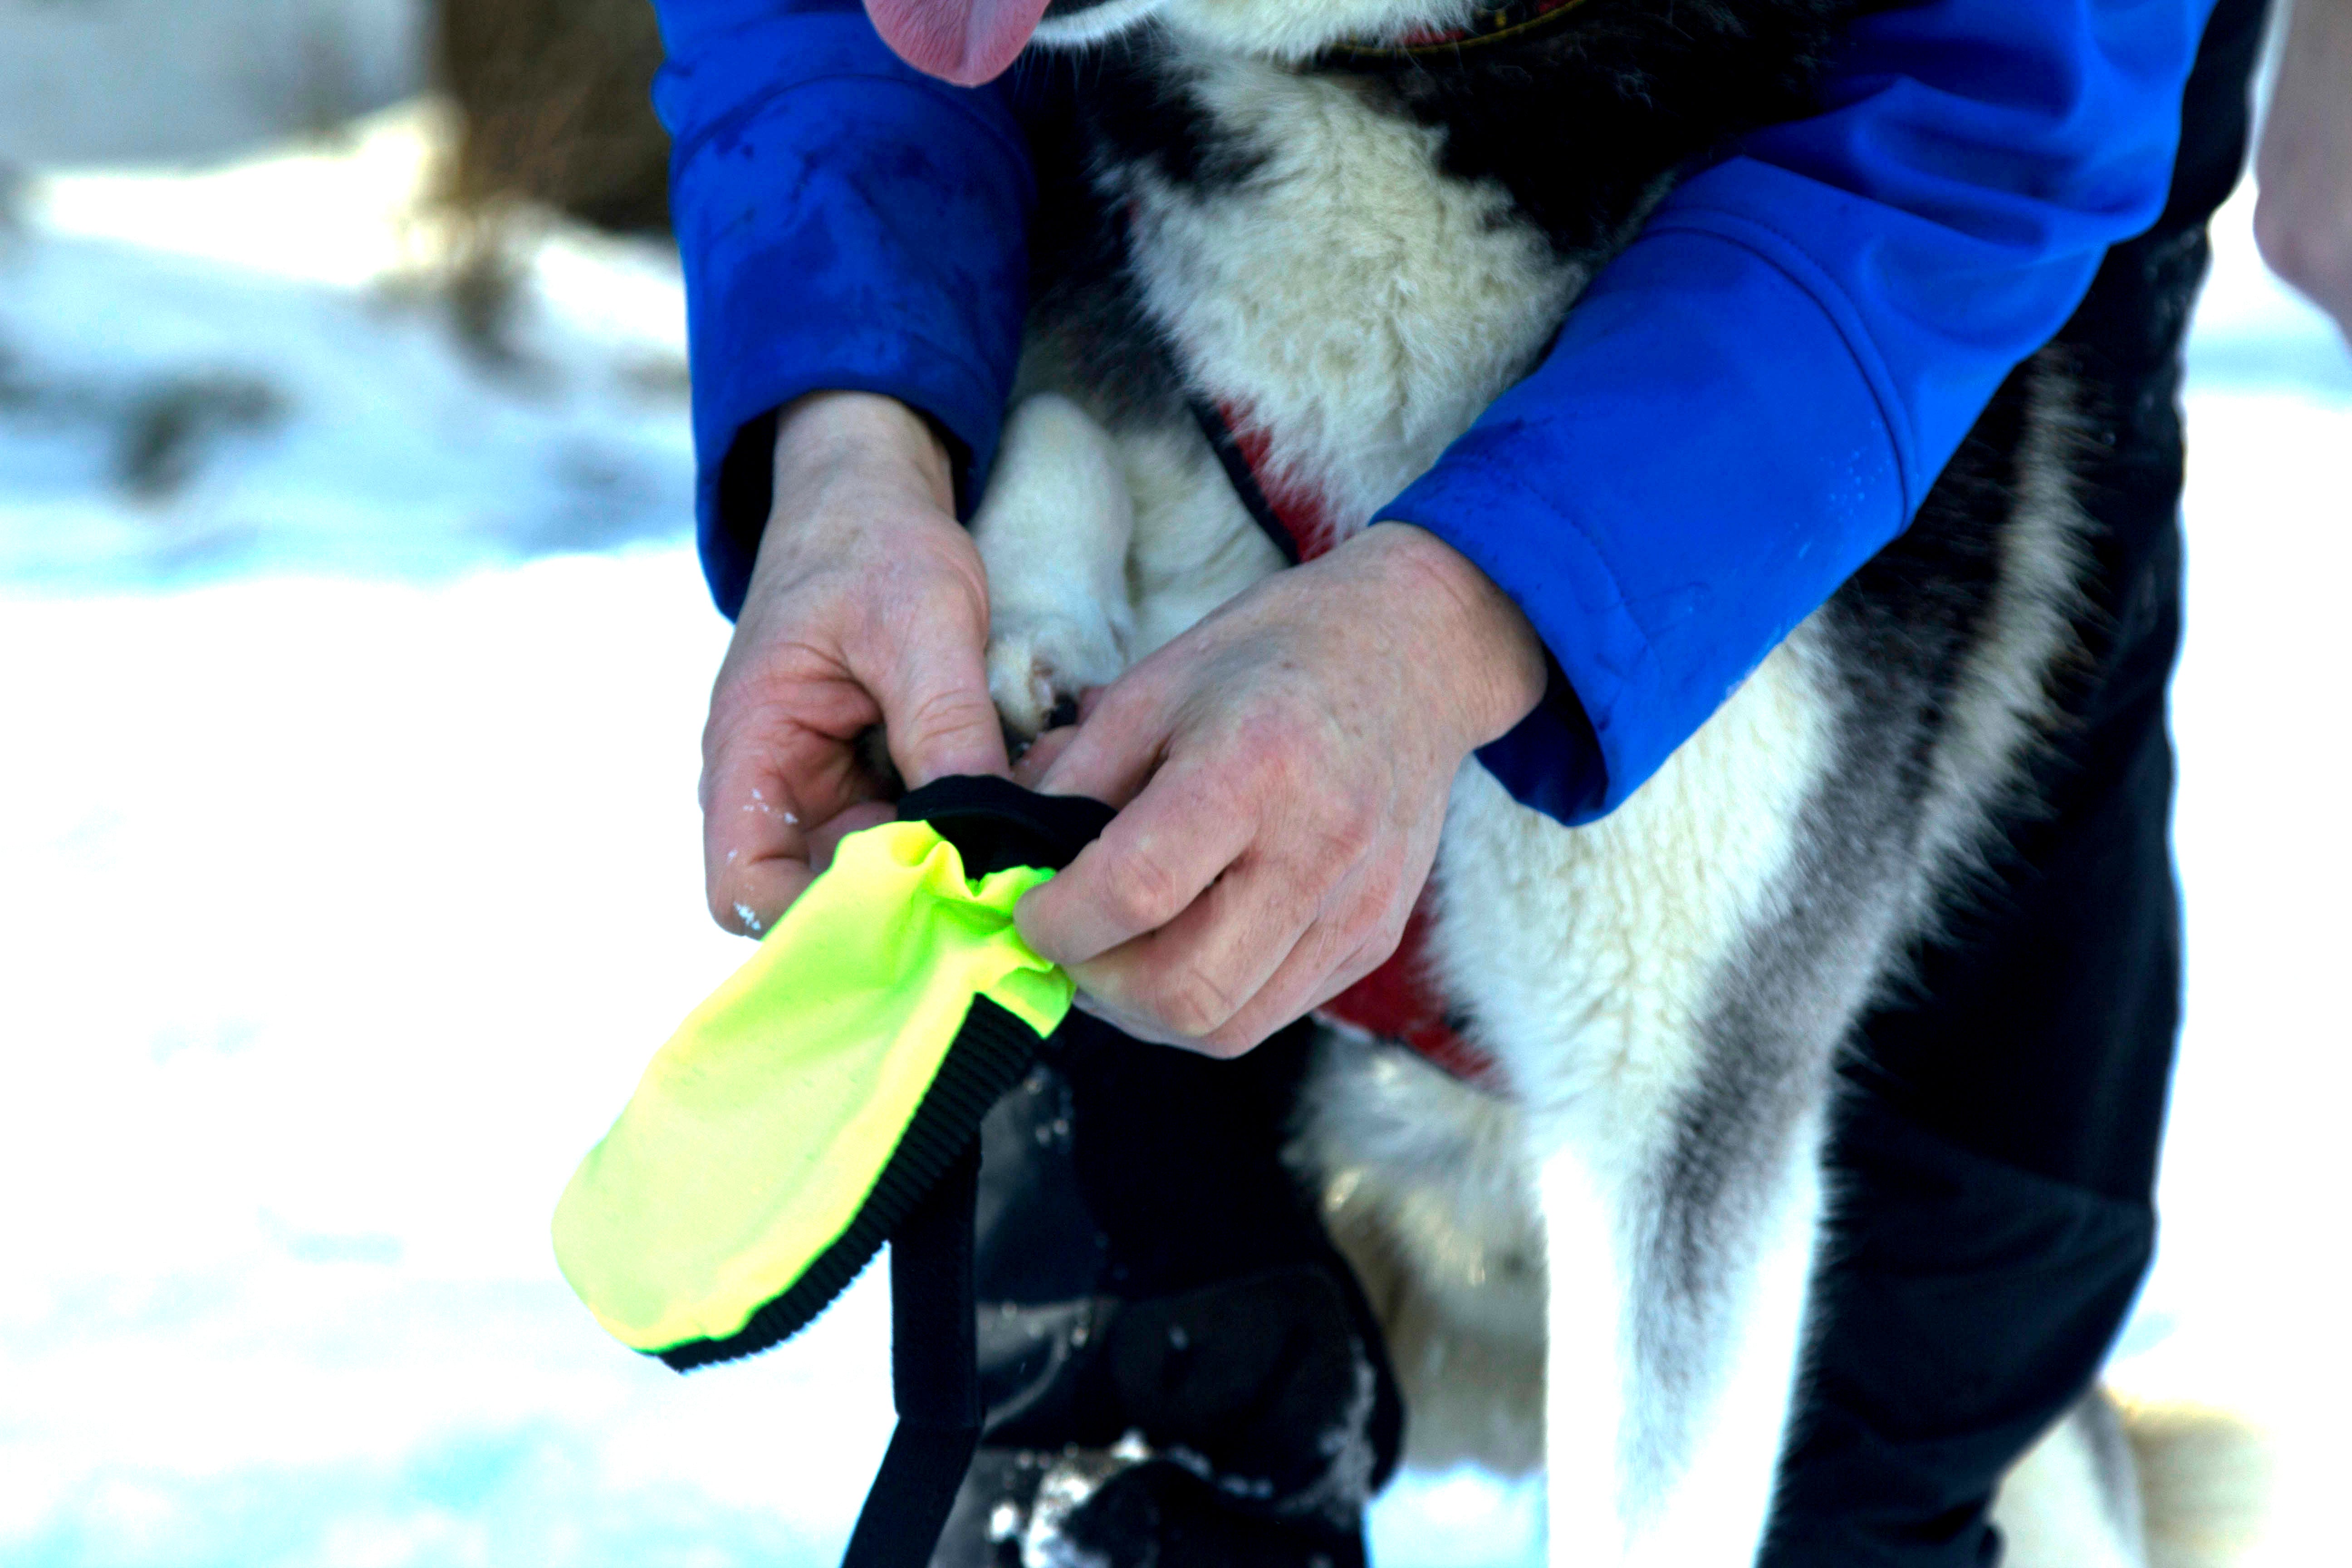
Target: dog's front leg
point(1053, 531)
point(1674, 1326)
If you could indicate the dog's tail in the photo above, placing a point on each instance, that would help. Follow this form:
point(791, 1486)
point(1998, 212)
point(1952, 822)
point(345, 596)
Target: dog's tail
point(2137, 1486)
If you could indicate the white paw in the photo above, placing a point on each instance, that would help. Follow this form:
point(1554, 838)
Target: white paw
point(1039, 666)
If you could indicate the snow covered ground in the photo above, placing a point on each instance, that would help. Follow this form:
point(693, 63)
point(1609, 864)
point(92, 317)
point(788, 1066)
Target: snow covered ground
point(350, 870)
point(262, 368)
point(84, 81)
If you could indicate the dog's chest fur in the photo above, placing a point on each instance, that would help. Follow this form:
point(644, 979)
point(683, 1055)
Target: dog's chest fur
point(1356, 263)
point(1345, 295)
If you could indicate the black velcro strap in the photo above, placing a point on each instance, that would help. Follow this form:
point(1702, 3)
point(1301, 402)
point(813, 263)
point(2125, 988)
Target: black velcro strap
point(995, 825)
point(935, 1377)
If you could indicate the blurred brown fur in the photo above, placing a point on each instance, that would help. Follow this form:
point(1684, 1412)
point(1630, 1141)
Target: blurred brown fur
point(553, 101)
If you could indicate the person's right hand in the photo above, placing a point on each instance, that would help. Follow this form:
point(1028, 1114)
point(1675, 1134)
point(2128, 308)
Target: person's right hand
point(867, 605)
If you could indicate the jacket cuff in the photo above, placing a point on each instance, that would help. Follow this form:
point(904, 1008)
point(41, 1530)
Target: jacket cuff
point(818, 264)
point(1664, 506)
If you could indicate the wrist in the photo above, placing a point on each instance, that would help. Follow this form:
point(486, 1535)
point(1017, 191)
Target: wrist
point(1479, 646)
point(827, 440)
point(863, 506)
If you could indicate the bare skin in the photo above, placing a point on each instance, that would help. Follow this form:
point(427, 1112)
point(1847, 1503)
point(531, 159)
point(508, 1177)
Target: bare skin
point(2303, 217)
point(867, 605)
point(1281, 769)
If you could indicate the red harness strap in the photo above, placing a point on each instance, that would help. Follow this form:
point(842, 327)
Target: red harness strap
point(1507, 23)
point(1398, 1001)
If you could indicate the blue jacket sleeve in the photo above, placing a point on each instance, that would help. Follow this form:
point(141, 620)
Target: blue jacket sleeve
point(847, 223)
point(1754, 399)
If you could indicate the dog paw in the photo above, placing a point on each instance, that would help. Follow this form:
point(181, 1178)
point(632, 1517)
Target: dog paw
point(1039, 666)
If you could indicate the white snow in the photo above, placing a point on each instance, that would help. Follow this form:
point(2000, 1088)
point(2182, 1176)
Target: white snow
point(292, 315)
point(86, 81)
point(351, 869)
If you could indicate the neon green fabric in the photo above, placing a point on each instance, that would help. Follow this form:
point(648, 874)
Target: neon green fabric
point(761, 1128)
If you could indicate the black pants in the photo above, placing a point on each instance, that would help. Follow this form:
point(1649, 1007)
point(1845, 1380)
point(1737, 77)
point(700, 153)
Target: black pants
point(1146, 1265)
point(1998, 1147)
point(1148, 1268)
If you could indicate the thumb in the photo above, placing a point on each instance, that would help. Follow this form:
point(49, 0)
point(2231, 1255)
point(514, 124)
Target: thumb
point(1117, 750)
point(938, 716)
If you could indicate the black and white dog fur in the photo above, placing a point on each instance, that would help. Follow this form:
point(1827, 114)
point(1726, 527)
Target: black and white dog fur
point(1361, 260)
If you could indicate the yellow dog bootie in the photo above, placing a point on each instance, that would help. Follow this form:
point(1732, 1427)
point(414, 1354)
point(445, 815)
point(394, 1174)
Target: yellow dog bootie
point(827, 1099)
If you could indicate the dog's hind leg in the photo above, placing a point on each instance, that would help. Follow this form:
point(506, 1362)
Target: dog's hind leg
point(1665, 990)
point(1670, 1368)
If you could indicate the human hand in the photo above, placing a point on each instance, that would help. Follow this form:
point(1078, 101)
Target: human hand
point(1283, 770)
point(2302, 216)
point(867, 605)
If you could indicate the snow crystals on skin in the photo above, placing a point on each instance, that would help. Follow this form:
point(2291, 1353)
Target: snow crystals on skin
point(287, 1298)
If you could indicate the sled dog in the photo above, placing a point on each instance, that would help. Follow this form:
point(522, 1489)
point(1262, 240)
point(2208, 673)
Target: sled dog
point(1270, 233)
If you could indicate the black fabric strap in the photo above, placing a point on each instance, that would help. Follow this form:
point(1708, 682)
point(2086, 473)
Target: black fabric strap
point(995, 825)
point(935, 1378)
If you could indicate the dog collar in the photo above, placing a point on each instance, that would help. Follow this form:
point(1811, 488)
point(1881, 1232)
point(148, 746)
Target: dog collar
point(1501, 24)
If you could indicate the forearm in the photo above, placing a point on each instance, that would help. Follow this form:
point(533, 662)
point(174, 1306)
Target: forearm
point(846, 223)
point(1756, 396)
point(825, 437)
point(1473, 635)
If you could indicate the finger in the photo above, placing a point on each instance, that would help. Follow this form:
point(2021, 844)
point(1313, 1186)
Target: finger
point(1276, 1007)
point(752, 898)
point(935, 703)
point(1194, 976)
point(1158, 854)
point(1119, 742)
point(755, 856)
point(1307, 980)
point(1132, 1027)
point(1042, 752)
point(759, 800)
point(825, 841)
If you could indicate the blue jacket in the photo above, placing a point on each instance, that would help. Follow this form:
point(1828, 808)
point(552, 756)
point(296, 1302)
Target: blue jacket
point(1744, 407)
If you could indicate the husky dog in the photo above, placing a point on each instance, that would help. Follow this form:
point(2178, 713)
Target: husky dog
point(1353, 252)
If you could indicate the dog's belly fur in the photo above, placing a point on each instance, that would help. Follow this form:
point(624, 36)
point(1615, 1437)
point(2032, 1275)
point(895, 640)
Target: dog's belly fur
point(1665, 989)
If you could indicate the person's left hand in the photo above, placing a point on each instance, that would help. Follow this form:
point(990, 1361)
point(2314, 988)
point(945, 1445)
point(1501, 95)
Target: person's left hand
point(1283, 771)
